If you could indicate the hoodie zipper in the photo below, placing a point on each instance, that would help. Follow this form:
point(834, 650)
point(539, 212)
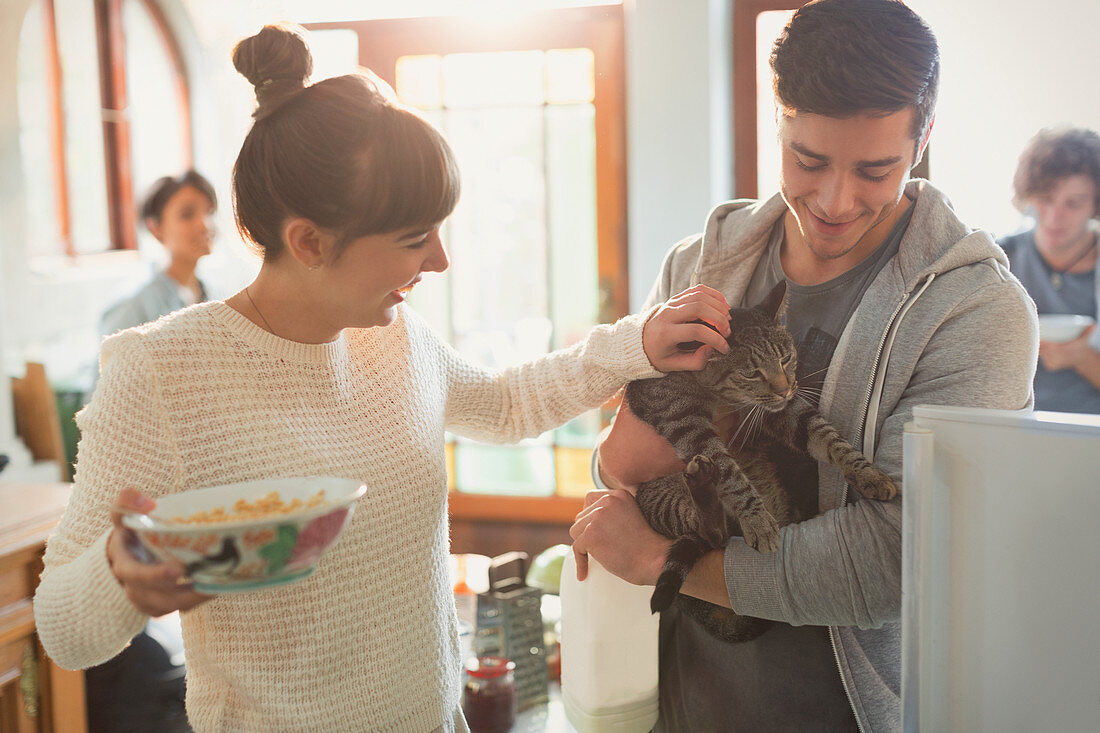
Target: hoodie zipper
point(862, 430)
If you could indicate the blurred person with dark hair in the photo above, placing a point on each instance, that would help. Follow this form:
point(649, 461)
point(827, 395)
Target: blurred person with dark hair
point(1058, 183)
point(178, 212)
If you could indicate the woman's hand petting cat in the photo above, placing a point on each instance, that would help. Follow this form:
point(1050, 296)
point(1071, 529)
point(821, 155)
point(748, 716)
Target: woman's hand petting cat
point(612, 529)
point(154, 588)
point(672, 325)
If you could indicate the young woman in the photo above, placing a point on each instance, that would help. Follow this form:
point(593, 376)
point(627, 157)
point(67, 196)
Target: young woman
point(317, 367)
point(177, 211)
point(1058, 182)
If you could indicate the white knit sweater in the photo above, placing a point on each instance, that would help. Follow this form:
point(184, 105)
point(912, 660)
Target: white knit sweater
point(204, 397)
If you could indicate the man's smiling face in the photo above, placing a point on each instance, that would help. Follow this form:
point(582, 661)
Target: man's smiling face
point(842, 177)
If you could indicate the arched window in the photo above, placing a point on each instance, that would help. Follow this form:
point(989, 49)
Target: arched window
point(103, 111)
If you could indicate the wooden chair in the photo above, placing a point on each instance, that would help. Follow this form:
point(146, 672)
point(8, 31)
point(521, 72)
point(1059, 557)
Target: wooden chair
point(36, 418)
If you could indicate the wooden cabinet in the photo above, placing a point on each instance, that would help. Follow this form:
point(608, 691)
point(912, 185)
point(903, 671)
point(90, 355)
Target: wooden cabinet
point(35, 694)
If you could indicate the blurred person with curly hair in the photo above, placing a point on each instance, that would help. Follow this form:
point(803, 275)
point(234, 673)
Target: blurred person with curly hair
point(1058, 183)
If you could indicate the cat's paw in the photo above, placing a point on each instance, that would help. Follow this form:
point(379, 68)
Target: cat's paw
point(701, 475)
point(874, 483)
point(760, 531)
point(701, 471)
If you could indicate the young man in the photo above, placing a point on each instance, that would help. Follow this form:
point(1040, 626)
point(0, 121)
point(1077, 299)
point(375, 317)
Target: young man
point(894, 302)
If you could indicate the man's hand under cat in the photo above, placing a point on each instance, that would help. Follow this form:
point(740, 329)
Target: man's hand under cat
point(672, 324)
point(612, 529)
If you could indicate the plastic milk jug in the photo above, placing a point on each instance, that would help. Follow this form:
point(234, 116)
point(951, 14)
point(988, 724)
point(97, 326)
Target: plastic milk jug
point(608, 652)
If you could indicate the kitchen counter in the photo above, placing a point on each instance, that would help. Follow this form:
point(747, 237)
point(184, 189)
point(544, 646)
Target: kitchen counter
point(35, 694)
point(549, 717)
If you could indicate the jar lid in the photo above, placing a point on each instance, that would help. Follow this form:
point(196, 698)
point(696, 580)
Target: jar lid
point(488, 667)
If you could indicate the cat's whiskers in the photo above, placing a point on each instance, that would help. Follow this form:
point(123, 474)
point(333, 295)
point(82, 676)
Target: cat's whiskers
point(745, 421)
point(754, 420)
point(810, 395)
point(814, 373)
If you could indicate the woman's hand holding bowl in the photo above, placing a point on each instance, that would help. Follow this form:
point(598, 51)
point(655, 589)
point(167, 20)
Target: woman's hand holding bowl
point(155, 588)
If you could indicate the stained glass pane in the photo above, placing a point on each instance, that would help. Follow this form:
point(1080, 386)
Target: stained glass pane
point(570, 75)
point(420, 81)
point(432, 297)
point(494, 79)
point(498, 236)
point(335, 53)
point(573, 470)
point(449, 455)
point(43, 233)
point(76, 41)
point(524, 470)
point(571, 180)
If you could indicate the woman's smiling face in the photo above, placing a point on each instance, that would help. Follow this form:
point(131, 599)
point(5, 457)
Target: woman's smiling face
point(373, 274)
point(842, 177)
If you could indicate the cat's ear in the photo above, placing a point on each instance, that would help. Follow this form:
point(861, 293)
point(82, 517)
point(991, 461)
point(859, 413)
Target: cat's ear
point(774, 304)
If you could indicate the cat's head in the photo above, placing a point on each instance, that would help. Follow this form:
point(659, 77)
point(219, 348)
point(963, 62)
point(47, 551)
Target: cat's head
point(760, 366)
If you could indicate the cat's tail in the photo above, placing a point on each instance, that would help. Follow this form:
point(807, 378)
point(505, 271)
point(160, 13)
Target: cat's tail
point(710, 533)
point(681, 558)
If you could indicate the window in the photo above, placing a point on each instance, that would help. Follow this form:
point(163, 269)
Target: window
point(103, 101)
point(535, 113)
point(756, 25)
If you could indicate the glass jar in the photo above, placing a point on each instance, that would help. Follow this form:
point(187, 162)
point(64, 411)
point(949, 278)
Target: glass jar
point(490, 701)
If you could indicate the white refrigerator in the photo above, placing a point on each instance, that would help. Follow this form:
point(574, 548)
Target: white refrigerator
point(1001, 571)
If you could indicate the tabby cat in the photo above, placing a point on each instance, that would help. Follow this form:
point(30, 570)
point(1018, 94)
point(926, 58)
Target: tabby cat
point(743, 488)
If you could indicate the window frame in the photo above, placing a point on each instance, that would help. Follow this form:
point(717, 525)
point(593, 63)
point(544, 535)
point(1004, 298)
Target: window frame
point(745, 13)
point(111, 54)
point(599, 28)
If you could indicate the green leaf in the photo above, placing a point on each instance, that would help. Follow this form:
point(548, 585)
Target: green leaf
point(277, 552)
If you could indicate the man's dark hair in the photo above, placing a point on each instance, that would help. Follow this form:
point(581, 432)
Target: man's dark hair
point(1053, 154)
point(165, 188)
point(842, 58)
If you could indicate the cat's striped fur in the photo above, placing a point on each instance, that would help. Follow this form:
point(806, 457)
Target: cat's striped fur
point(742, 489)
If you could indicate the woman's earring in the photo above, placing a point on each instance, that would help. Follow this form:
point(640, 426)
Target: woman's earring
point(314, 268)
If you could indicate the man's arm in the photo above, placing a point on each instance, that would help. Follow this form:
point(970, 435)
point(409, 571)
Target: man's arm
point(628, 453)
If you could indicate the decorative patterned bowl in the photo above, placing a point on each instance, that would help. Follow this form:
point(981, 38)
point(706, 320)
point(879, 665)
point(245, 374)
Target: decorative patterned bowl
point(1058, 328)
point(249, 535)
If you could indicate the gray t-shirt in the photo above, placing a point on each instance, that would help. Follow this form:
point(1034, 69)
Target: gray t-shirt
point(787, 679)
point(1064, 390)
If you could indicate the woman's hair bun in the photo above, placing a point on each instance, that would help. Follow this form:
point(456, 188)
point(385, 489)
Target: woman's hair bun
point(277, 62)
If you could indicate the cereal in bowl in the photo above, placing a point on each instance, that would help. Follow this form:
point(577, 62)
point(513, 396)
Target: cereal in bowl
point(267, 505)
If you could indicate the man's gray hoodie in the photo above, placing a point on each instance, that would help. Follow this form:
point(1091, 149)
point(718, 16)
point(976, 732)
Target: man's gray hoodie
point(943, 323)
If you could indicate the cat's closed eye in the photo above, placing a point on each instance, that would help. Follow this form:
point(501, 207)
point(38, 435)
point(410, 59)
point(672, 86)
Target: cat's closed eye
point(751, 374)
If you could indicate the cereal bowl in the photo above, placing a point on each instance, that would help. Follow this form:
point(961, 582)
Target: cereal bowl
point(249, 535)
